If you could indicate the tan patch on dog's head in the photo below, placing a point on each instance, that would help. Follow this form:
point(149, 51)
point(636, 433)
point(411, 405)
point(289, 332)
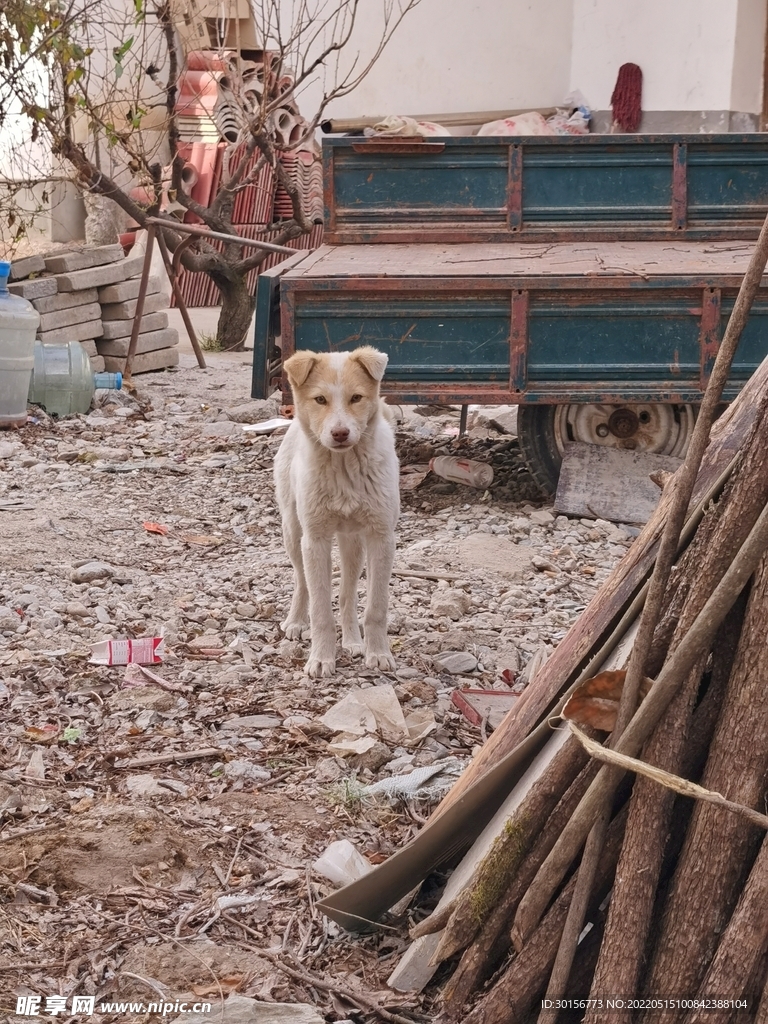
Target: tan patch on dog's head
point(336, 394)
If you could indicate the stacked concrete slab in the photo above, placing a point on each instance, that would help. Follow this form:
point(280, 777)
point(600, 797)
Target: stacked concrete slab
point(89, 296)
point(157, 344)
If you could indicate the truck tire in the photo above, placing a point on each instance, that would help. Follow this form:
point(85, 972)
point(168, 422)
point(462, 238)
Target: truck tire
point(544, 430)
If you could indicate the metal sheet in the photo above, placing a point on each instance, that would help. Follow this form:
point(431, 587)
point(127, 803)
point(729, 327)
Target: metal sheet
point(563, 187)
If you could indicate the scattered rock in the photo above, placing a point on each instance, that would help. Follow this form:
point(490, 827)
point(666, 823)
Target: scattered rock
point(92, 571)
point(243, 1010)
point(453, 603)
point(457, 663)
point(541, 517)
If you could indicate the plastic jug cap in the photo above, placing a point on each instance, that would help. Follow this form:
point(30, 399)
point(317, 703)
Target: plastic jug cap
point(5, 269)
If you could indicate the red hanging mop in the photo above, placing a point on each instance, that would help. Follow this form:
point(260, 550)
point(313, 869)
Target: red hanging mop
point(626, 98)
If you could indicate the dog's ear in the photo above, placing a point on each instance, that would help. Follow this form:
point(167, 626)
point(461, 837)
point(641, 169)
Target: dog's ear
point(299, 367)
point(372, 361)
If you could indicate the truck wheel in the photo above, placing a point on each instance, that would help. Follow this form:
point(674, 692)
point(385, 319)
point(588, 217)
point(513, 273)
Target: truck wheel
point(544, 430)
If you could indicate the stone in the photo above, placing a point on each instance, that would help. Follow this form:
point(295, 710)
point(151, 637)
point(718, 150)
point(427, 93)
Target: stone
point(222, 428)
point(122, 328)
point(505, 420)
point(243, 1010)
point(148, 785)
point(97, 364)
point(246, 611)
point(453, 603)
point(77, 610)
point(246, 770)
point(9, 620)
point(83, 259)
point(127, 310)
point(149, 341)
point(541, 517)
point(67, 317)
point(23, 268)
point(66, 300)
point(457, 663)
point(95, 277)
point(542, 564)
point(10, 448)
point(91, 571)
point(77, 332)
point(254, 412)
point(144, 363)
point(128, 289)
point(247, 723)
point(34, 289)
point(89, 346)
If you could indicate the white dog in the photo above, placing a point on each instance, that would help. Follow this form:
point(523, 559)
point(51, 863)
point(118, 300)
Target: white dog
point(337, 474)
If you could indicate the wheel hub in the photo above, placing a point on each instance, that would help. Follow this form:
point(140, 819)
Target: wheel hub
point(623, 423)
point(653, 427)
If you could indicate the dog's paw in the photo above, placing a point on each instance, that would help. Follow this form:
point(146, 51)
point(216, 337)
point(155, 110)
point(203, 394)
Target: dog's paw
point(319, 668)
point(355, 648)
point(293, 630)
point(382, 660)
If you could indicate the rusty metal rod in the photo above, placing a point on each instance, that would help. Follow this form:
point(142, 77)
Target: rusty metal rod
point(193, 229)
point(181, 304)
point(140, 302)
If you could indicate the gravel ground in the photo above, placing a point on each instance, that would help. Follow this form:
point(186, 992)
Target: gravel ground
point(123, 871)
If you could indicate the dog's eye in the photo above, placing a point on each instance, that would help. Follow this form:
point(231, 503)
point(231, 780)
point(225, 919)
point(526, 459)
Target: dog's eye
point(356, 398)
point(321, 400)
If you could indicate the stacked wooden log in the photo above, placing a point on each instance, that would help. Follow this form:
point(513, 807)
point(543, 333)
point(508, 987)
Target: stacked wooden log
point(645, 878)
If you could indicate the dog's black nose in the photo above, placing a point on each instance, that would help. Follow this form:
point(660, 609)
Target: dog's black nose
point(340, 434)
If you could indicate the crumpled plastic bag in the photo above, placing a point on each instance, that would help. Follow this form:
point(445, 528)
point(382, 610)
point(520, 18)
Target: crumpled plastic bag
point(520, 124)
point(429, 783)
point(396, 125)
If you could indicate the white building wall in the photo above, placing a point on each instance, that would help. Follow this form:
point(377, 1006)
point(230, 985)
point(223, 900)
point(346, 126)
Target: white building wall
point(461, 55)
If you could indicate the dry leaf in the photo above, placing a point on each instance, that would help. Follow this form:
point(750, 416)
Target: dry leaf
point(46, 734)
point(201, 539)
point(596, 701)
point(227, 985)
point(156, 528)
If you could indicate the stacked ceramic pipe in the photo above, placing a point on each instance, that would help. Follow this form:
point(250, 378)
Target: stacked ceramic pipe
point(215, 90)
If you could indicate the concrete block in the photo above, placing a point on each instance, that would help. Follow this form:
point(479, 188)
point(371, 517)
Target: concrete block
point(148, 342)
point(23, 268)
point(97, 364)
point(65, 300)
point(90, 347)
point(127, 310)
point(122, 328)
point(67, 317)
point(82, 259)
point(77, 332)
point(127, 290)
point(160, 359)
point(95, 277)
point(34, 289)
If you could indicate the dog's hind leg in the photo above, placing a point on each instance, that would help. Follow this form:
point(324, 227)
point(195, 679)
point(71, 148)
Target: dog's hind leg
point(352, 555)
point(317, 566)
point(381, 556)
point(298, 615)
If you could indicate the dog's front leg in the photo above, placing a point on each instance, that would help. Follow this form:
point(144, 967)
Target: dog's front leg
point(381, 557)
point(298, 615)
point(317, 568)
point(352, 555)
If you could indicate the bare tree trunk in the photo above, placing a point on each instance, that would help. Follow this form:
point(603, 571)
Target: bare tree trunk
point(237, 306)
point(743, 943)
point(719, 846)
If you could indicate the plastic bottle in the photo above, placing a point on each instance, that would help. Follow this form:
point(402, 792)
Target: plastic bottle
point(463, 471)
point(63, 381)
point(18, 324)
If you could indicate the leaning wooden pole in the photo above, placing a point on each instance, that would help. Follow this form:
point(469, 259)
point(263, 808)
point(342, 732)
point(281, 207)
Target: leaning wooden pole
point(683, 486)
